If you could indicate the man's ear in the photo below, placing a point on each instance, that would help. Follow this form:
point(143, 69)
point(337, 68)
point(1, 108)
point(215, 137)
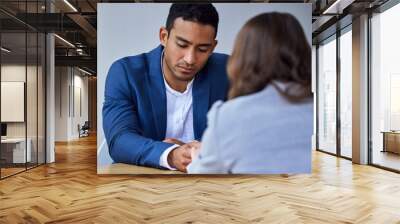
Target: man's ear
point(163, 36)
point(214, 45)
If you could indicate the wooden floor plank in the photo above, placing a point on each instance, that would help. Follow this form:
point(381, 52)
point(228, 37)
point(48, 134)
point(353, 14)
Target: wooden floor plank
point(70, 191)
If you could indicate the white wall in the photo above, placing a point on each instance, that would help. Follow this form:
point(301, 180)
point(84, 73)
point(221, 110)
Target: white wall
point(14, 73)
point(17, 72)
point(68, 82)
point(130, 29)
point(61, 103)
point(80, 84)
point(33, 126)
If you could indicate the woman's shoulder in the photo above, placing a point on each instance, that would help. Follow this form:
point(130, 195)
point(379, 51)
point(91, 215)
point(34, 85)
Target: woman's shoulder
point(226, 109)
point(250, 109)
point(224, 115)
point(242, 104)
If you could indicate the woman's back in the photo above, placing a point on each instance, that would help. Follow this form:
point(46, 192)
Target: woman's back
point(257, 133)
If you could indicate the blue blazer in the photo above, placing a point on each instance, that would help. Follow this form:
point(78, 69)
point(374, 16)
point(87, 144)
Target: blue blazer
point(135, 107)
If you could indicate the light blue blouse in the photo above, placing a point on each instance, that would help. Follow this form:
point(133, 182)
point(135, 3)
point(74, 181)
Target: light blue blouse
point(261, 133)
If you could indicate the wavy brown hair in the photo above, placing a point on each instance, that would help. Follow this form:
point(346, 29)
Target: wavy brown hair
point(271, 48)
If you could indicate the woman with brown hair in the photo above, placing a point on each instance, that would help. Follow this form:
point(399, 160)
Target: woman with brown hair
point(267, 123)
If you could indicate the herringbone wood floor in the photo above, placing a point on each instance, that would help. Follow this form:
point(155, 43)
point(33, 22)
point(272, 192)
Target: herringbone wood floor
point(70, 191)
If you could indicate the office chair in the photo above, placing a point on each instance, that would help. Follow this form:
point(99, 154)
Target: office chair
point(84, 130)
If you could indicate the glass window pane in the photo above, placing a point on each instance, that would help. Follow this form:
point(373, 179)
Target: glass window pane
point(327, 96)
point(41, 98)
point(346, 94)
point(32, 95)
point(23, 87)
point(32, 85)
point(385, 87)
point(13, 87)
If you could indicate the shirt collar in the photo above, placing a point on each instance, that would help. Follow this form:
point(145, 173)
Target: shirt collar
point(168, 87)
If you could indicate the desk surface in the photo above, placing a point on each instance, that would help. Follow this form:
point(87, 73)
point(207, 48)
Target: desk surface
point(390, 132)
point(13, 140)
point(121, 168)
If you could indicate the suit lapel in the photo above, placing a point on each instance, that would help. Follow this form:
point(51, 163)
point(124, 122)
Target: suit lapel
point(201, 99)
point(157, 93)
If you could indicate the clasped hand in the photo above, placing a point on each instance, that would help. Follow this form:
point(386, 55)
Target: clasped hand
point(182, 156)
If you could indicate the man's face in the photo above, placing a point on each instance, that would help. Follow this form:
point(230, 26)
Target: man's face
point(187, 48)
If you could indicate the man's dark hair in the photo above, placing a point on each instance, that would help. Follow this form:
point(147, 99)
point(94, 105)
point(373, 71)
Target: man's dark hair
point(203, 13)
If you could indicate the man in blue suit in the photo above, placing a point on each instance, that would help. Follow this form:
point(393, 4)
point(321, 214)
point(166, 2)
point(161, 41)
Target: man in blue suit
point(156, 103)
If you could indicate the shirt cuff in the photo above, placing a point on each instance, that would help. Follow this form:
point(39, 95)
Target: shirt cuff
point(164, 157)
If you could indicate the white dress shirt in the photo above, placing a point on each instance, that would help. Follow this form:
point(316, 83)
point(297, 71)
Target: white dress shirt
point(179, 117)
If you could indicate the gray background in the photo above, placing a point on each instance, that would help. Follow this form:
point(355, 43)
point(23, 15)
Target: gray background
point(132, 28)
